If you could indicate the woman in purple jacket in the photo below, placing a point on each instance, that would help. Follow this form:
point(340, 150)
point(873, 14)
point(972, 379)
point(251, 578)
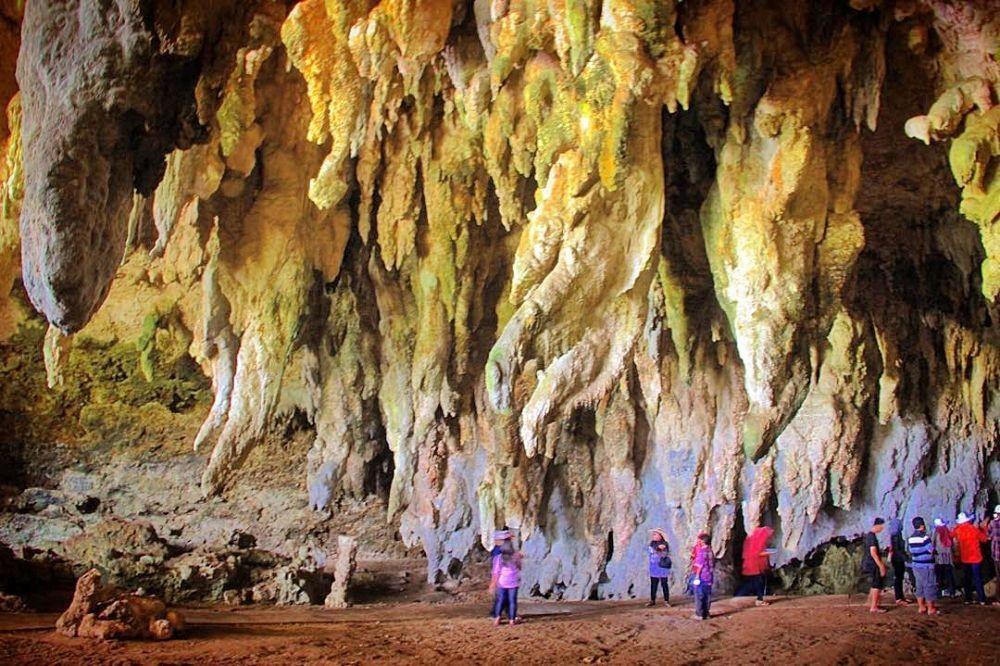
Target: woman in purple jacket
point(703, 570)
point(659, 575)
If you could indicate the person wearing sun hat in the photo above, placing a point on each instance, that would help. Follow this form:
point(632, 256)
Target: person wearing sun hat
point(499, 536)
point(944, 561)
point(659, 566)
point(969, 537)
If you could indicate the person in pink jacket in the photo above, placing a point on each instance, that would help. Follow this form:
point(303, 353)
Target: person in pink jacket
point(506, 580)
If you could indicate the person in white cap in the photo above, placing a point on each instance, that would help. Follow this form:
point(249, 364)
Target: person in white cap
point(993, 532)
point(970, 538)
point(944, 562)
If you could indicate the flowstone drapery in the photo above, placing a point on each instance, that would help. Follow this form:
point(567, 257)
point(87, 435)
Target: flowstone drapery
point(582, 268)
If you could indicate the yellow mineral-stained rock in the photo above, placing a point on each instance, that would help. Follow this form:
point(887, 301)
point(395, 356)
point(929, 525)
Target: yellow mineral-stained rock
point(11, 192)
point(581, 268)
point(966, 113)
point(781, 231)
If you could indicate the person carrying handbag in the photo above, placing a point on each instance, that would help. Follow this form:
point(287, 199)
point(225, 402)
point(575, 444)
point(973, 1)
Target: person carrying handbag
point(660, 565)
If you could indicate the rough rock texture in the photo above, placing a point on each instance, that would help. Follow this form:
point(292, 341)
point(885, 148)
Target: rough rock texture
point(103, 612)
point(580, 268)
point(343, 570)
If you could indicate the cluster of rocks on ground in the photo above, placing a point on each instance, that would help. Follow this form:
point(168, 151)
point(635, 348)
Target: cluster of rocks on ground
point(131, 554)
point(104, 611)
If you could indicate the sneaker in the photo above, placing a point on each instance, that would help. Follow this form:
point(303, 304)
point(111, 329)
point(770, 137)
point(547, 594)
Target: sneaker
point(697, 617)
point(650, 604)
point(497, 621)
point(877, 611)
point(666, 604)
point(761, 602)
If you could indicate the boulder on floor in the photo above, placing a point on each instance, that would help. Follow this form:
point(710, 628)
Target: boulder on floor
point(100, 611)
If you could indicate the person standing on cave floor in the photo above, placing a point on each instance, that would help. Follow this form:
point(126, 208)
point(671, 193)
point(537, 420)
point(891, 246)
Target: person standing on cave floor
point(922, 557)
point(659, 566)
point(703, 570)
point(993, 532)
point(506, 580)
point(872, 564)
point(756, 562)
point(970, 554)
point(498, 538)
point(944, 562)
point(897, 557)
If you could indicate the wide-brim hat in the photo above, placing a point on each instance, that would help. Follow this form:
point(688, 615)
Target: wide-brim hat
point(962, 518)
point(938, 522)
point(659, 530)
point(502, 535)
point(996, 510)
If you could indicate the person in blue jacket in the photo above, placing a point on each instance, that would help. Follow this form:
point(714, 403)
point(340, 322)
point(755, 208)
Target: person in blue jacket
point(659, 566)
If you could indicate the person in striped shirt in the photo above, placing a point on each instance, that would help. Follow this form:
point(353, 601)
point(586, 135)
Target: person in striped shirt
point(922, 560)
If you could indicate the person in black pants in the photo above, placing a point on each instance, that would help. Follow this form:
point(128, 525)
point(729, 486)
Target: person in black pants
point(659, 575)
point(872, 564)
point(897, 557)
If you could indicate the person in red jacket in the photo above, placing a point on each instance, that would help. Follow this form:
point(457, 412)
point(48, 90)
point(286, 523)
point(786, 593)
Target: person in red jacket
point(756, 562)
point(970, 538)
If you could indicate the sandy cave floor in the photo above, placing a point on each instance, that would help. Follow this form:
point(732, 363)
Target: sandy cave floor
point(799, 630)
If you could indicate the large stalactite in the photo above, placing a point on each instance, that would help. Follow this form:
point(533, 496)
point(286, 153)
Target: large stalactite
point(582, 268)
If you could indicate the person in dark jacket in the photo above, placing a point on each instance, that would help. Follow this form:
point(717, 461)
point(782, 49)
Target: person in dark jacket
point(897, 558)
point(659, 575)
point(872, 564)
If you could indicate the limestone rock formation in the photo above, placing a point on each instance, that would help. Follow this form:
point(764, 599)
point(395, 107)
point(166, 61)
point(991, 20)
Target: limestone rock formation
point(343, 570)
point(579, 268)
point(99, 611)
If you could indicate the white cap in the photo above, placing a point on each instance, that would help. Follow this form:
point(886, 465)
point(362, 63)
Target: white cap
point(938, 522)
point(962, 518)
point(996, 510)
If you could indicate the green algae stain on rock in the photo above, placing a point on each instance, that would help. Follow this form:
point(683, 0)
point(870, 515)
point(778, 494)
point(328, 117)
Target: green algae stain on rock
point(116, 393)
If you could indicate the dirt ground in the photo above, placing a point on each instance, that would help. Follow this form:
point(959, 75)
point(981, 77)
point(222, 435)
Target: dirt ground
point(797, 630)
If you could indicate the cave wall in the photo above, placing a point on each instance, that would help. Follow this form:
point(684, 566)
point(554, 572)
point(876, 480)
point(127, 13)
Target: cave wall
point(582, 268)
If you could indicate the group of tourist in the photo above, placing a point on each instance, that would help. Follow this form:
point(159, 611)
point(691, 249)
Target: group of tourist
point(756, 563)
point(927, 557)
